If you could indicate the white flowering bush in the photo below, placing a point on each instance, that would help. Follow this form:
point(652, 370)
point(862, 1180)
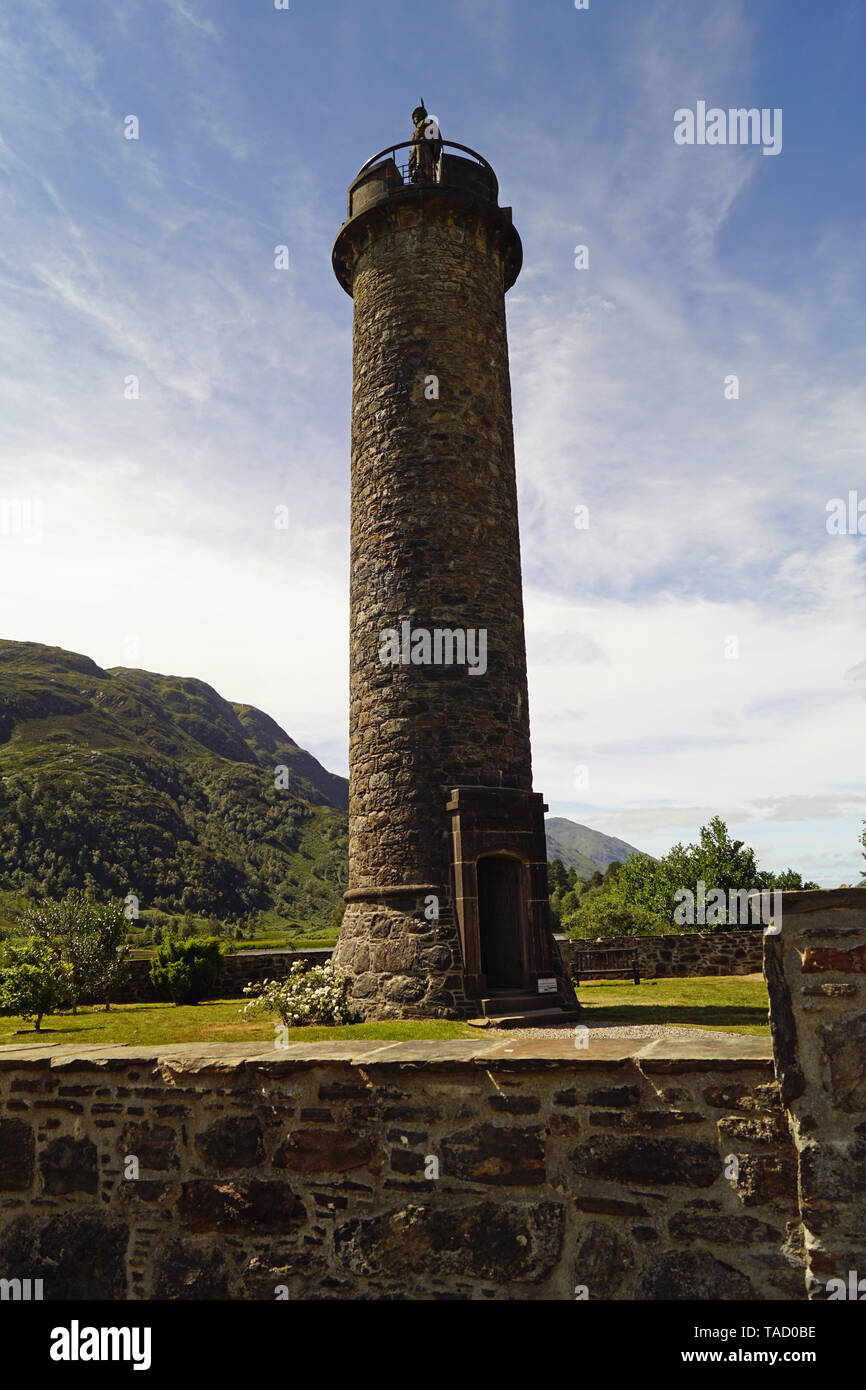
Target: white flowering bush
point(309, 994)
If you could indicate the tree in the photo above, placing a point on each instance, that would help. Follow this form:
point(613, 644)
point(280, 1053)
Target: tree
point(568, 903)
point(34, 981)
point(788, 881)
point(89, 937)
point(111, 958)
point(557, 876)
point(600, 914)
point(643, 894)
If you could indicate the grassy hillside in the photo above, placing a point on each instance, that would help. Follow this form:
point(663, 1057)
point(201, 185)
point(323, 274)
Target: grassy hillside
point(583, 849)
point(125, 781)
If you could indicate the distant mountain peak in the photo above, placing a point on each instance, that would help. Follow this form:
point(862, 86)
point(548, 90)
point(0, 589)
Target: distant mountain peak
point(583, 849)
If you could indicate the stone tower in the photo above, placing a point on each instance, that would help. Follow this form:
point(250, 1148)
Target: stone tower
point(447, 909)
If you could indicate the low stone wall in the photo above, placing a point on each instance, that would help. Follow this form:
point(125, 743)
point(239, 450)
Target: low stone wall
point(239, 969)
point(691, 953)
point(688, 953)
point(707, 953)
point(507, 1170)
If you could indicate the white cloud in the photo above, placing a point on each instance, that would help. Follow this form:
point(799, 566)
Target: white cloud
point(707, 516)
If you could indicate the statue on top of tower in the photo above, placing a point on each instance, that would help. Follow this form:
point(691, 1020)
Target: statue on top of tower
point(426, 146)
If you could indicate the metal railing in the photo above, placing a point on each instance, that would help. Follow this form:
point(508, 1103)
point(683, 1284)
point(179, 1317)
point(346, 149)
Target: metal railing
point(403, 169)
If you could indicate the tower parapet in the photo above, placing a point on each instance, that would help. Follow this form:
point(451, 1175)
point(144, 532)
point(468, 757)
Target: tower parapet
point(387, 178)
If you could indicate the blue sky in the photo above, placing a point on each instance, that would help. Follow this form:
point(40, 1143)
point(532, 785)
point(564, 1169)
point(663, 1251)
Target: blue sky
point(156, 544)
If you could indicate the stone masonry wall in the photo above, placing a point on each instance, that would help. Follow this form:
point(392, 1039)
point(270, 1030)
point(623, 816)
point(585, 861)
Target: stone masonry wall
point(816, 973)
point(688, 953)
point(239, 969)
point(506, 1170)
point(380, 949)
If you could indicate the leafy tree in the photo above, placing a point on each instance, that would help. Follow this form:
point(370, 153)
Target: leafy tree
point(89, 937)
point(600, 914)
point(653, 884)
point(34, 981)
point(568, 903)
point(555, 901)
point(787, 881)
point(641, 895)
point(557, 875)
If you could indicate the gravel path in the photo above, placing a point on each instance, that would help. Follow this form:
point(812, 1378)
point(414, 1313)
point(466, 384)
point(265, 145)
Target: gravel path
point(634, 1030)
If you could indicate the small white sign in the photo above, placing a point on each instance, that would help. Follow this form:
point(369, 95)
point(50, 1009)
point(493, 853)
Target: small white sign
point(547, 985)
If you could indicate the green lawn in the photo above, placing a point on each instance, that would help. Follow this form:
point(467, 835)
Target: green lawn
point(730, 1004)
point(213, 1021)
point(724, 1003)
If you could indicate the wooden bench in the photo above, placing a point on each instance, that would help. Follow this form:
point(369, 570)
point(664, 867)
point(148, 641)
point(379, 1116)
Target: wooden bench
point(599, 964)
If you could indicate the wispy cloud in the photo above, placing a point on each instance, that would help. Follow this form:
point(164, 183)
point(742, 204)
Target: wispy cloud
point(155, 259)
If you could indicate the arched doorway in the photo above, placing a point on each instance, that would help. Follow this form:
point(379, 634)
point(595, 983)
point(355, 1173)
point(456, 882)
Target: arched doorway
point(499, 908)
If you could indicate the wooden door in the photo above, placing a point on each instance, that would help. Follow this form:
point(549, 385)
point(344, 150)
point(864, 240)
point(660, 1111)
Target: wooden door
point(499, 917)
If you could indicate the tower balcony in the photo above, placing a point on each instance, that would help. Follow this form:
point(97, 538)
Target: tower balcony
point(410, 174)
point(388, 174)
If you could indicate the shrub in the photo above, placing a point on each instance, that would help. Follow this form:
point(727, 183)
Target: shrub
point(314, 994)
point(186, 971)
point(33, 980)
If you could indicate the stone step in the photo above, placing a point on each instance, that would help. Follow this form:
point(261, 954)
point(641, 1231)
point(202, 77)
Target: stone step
point(507, 1002)
point(536, 1018)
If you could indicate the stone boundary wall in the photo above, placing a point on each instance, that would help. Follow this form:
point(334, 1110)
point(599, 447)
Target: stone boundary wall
point(239, 969)
point(636, 1171)
point(687, 953)
point(690, 953)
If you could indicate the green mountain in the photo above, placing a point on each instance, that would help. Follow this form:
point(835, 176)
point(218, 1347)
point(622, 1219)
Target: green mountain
point(126, 781)
point(583, 849)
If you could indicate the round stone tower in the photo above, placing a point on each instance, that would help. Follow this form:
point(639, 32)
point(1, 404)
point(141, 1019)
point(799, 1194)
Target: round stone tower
point(447, 911)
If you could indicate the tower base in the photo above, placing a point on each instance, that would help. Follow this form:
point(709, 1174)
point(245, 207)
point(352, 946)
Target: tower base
point(400, 964)
point(482, 947)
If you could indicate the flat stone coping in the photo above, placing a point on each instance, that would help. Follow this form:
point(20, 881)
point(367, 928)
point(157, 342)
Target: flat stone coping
point(659, 1054)
point(283, 951)
point(806, 900)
